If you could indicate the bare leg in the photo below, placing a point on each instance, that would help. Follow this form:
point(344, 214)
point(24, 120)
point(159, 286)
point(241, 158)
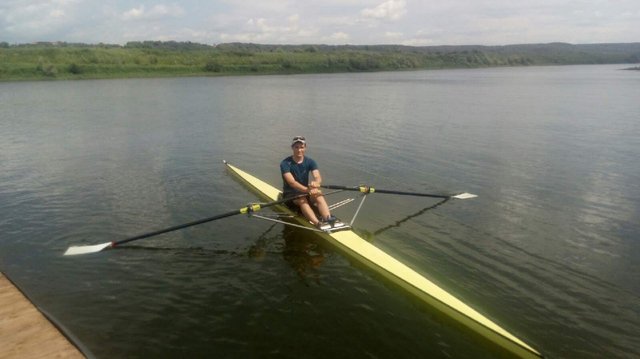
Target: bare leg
point(306, 209)
point(323, 208)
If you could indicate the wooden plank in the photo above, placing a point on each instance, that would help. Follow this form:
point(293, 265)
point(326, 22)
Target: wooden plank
point(25, 332)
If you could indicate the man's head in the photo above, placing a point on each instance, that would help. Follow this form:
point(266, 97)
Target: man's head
point(299, 140)
point(299, 147)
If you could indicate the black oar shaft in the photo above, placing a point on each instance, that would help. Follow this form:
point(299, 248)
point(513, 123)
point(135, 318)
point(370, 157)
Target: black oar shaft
point(175, 228)
point(247, 209)
point(366, 189)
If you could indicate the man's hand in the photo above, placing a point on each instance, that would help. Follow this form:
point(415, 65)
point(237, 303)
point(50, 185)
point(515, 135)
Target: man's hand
point(314, 192)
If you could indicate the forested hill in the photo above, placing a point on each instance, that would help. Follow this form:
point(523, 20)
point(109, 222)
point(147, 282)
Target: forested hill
point(61, 60)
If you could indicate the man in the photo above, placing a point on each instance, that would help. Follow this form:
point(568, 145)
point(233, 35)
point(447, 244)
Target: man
point(295, 171)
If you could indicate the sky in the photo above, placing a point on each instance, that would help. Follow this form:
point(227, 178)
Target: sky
point(333, 22)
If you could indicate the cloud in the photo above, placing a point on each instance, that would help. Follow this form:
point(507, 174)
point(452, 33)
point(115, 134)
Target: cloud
point(388, 10)
point(36, 18)
point(454, 22)
point(157, 12)
point(271, 30)
point(337, 37)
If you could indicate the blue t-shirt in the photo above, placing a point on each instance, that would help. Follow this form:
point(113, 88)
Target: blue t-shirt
point(300, 172)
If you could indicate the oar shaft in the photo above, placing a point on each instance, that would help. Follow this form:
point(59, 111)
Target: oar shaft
point(244, 210)
point(247, 209)
point(175, 228)
point(366, 189)
point(413, 193)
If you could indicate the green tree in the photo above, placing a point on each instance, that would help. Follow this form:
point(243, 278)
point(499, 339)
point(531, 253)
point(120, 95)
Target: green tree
point(75, 69)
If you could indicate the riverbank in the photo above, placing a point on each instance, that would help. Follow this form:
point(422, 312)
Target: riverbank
point(63, 61)
point(25, 332)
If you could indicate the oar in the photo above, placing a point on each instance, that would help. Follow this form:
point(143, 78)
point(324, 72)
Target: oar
point(367, 189)
point(248, 209)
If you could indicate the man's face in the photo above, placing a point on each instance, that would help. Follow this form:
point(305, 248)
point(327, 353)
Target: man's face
point(298, 149)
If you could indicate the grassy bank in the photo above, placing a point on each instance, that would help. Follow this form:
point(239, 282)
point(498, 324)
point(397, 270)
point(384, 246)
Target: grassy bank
point(44, 61)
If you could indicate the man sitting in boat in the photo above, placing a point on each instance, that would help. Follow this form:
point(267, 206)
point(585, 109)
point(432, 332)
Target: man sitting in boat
point(295, 171)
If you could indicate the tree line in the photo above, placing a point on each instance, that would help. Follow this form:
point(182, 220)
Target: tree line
point(61, 60)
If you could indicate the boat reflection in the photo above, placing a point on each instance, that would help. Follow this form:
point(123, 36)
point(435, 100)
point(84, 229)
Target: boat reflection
point(302, 250)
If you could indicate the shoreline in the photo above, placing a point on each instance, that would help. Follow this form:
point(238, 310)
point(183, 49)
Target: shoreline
point(28, 331)
point(61, 61)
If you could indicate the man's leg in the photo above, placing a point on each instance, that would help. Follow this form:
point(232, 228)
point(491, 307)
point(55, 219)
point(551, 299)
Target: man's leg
point(306, 209)
point(322, 206)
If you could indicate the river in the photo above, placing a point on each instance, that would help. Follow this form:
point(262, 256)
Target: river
point(549, 249)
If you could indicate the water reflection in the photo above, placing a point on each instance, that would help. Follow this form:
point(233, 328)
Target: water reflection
point(398, 223)
point(258, 250)
point(301, 249)
point(305, 252)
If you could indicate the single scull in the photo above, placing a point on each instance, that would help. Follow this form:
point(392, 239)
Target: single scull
point(342, 237)
point(366, 253)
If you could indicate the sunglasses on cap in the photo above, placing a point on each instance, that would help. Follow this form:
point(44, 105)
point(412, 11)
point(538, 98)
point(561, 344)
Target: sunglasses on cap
point(299, 139)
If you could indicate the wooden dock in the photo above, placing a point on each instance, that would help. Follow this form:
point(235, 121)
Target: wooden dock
point(25, 332)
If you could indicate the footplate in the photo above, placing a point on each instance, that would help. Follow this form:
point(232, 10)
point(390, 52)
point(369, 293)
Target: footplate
point(337, 226)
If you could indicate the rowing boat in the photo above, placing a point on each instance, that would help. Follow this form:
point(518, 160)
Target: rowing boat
point(343, 238)
point(354, 246)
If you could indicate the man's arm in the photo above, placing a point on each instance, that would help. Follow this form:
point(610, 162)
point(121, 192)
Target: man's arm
point(288, 177)
point(317, 179)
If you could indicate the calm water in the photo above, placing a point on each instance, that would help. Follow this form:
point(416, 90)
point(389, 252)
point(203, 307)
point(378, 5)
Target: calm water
point(550, 248)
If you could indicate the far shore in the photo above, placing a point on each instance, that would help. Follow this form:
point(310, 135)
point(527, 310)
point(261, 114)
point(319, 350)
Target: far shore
point(64, 61)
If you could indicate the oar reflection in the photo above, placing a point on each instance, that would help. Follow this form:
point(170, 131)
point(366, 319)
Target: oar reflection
point(405, 219)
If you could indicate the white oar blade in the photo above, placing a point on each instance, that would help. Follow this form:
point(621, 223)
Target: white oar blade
point(465, 196)
point(72, 251)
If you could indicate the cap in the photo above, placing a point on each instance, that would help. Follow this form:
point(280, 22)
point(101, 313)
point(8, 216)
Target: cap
point(300, 139)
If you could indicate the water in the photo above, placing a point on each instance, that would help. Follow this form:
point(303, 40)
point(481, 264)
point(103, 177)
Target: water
point(549, 249)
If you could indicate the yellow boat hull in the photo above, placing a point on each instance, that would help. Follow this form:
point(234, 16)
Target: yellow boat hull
point(379, 261)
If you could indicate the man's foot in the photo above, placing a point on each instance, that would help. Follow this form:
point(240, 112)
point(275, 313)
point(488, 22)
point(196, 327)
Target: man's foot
point(331, 220)
point(331, 224)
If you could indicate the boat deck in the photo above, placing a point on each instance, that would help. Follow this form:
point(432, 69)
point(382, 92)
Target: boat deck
point(25, 332)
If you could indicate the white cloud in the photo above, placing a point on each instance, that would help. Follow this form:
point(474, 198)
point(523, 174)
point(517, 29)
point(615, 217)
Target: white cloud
point(393, 35)
point(57, 13)
point(154, 13)
point(133, 13)
point(388, 10)
point(272, 30)
point(416, 42)
point(35, 19)
point(453, 22)
point(337, 37)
